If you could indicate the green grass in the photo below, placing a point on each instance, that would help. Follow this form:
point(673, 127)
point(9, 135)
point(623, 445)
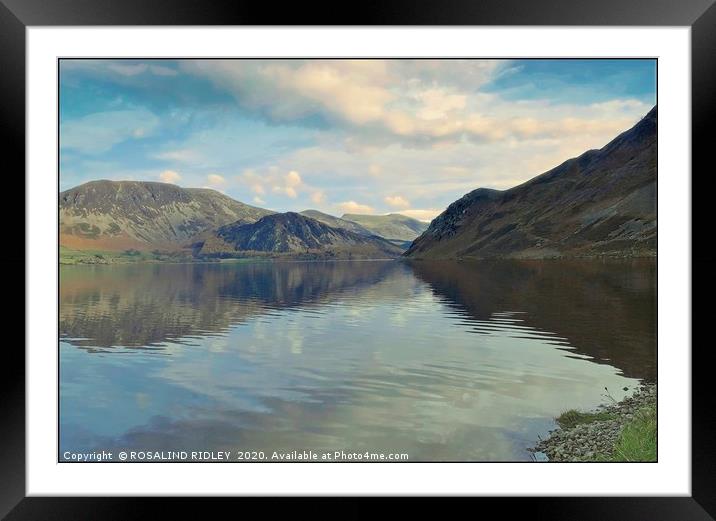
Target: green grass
point(637, 441)
point(572, 418)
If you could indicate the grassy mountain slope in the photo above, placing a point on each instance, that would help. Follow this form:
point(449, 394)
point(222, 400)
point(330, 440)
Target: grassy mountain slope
point(117, 215)
point(336, 222)
point(394, 227)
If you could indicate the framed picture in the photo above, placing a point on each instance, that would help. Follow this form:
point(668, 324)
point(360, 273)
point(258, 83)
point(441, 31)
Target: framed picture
point(413, 256)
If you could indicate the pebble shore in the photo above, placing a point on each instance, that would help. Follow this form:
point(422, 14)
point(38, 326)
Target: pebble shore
point(586, 441)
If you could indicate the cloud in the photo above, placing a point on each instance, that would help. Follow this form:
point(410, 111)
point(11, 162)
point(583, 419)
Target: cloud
point(293, 179)
point(318, 196)
point(352, 90)
point(426, 215)
point(416, 103)
point(128, 69)
point(135, 69)
point(169, 176)
point(288, 184)
point(539, 137)
point(354, 207)
point(397, 96)
point(100, 131)
point(438, 103)
point(215, 180)
point(182, 155)
point(160, 70)
point(254, 181)
point(397, 201)
point(287, 190)
point(258, 200)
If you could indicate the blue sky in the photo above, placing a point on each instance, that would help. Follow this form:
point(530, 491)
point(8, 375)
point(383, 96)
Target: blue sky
point(363, 136)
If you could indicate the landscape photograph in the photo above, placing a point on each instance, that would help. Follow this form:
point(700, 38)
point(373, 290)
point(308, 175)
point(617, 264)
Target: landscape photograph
point(357, 260)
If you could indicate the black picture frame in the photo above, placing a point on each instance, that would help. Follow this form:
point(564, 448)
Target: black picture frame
point(17, 15)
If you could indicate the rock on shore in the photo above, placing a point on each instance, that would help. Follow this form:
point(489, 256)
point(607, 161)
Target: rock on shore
point(588, 441)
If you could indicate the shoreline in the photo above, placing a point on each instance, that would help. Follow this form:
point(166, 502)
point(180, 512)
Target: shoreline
point(241, 260)
point(617, 431)
point(108, 258)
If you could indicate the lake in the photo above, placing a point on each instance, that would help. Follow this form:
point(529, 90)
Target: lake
point(443, 361)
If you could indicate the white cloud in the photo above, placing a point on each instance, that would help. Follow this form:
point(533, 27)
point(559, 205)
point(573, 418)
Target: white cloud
point(426, 215)
point(181, 155)
point(215, 180)
point(397, 201)
point(160, 70)
point(430, 178)
point(258, 200)
point(254, 181)
point(293, 179)
point(318, 196)
point(354, 207)
point(135, 69)
point(438, 103)
point(128, 69)
point(415, 102)
point(286, 190)
point(352, 90)
point(169, 176)
point(398, 96)
point(288, 184)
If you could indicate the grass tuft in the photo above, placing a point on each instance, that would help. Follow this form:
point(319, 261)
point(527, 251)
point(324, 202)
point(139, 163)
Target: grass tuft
point(572, 418)
point(637, 441)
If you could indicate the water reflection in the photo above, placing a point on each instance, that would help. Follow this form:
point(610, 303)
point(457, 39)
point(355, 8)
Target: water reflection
point(147, 305)
point(445, 361)
point(606, 309)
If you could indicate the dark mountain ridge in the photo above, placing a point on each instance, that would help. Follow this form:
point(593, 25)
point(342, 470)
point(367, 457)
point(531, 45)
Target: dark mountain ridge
point(600, 203)
point(291, 233)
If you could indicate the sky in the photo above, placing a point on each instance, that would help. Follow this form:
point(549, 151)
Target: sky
point(342, 136)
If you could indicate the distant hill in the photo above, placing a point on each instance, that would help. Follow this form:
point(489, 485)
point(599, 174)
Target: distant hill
point(394, 227)
point(116, 215)
point(600, 203)
point(292, 234)
point(336, 222)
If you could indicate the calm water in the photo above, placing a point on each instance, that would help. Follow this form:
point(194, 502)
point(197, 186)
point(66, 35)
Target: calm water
point(440, 360)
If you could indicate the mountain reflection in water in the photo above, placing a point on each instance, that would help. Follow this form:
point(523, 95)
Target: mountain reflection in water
point(446, 361)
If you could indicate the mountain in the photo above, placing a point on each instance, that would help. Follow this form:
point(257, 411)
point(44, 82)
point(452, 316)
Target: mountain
point(292, 234)
point(600, 203)
point(336, 222)
point(394, 227)
point(117, 215)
